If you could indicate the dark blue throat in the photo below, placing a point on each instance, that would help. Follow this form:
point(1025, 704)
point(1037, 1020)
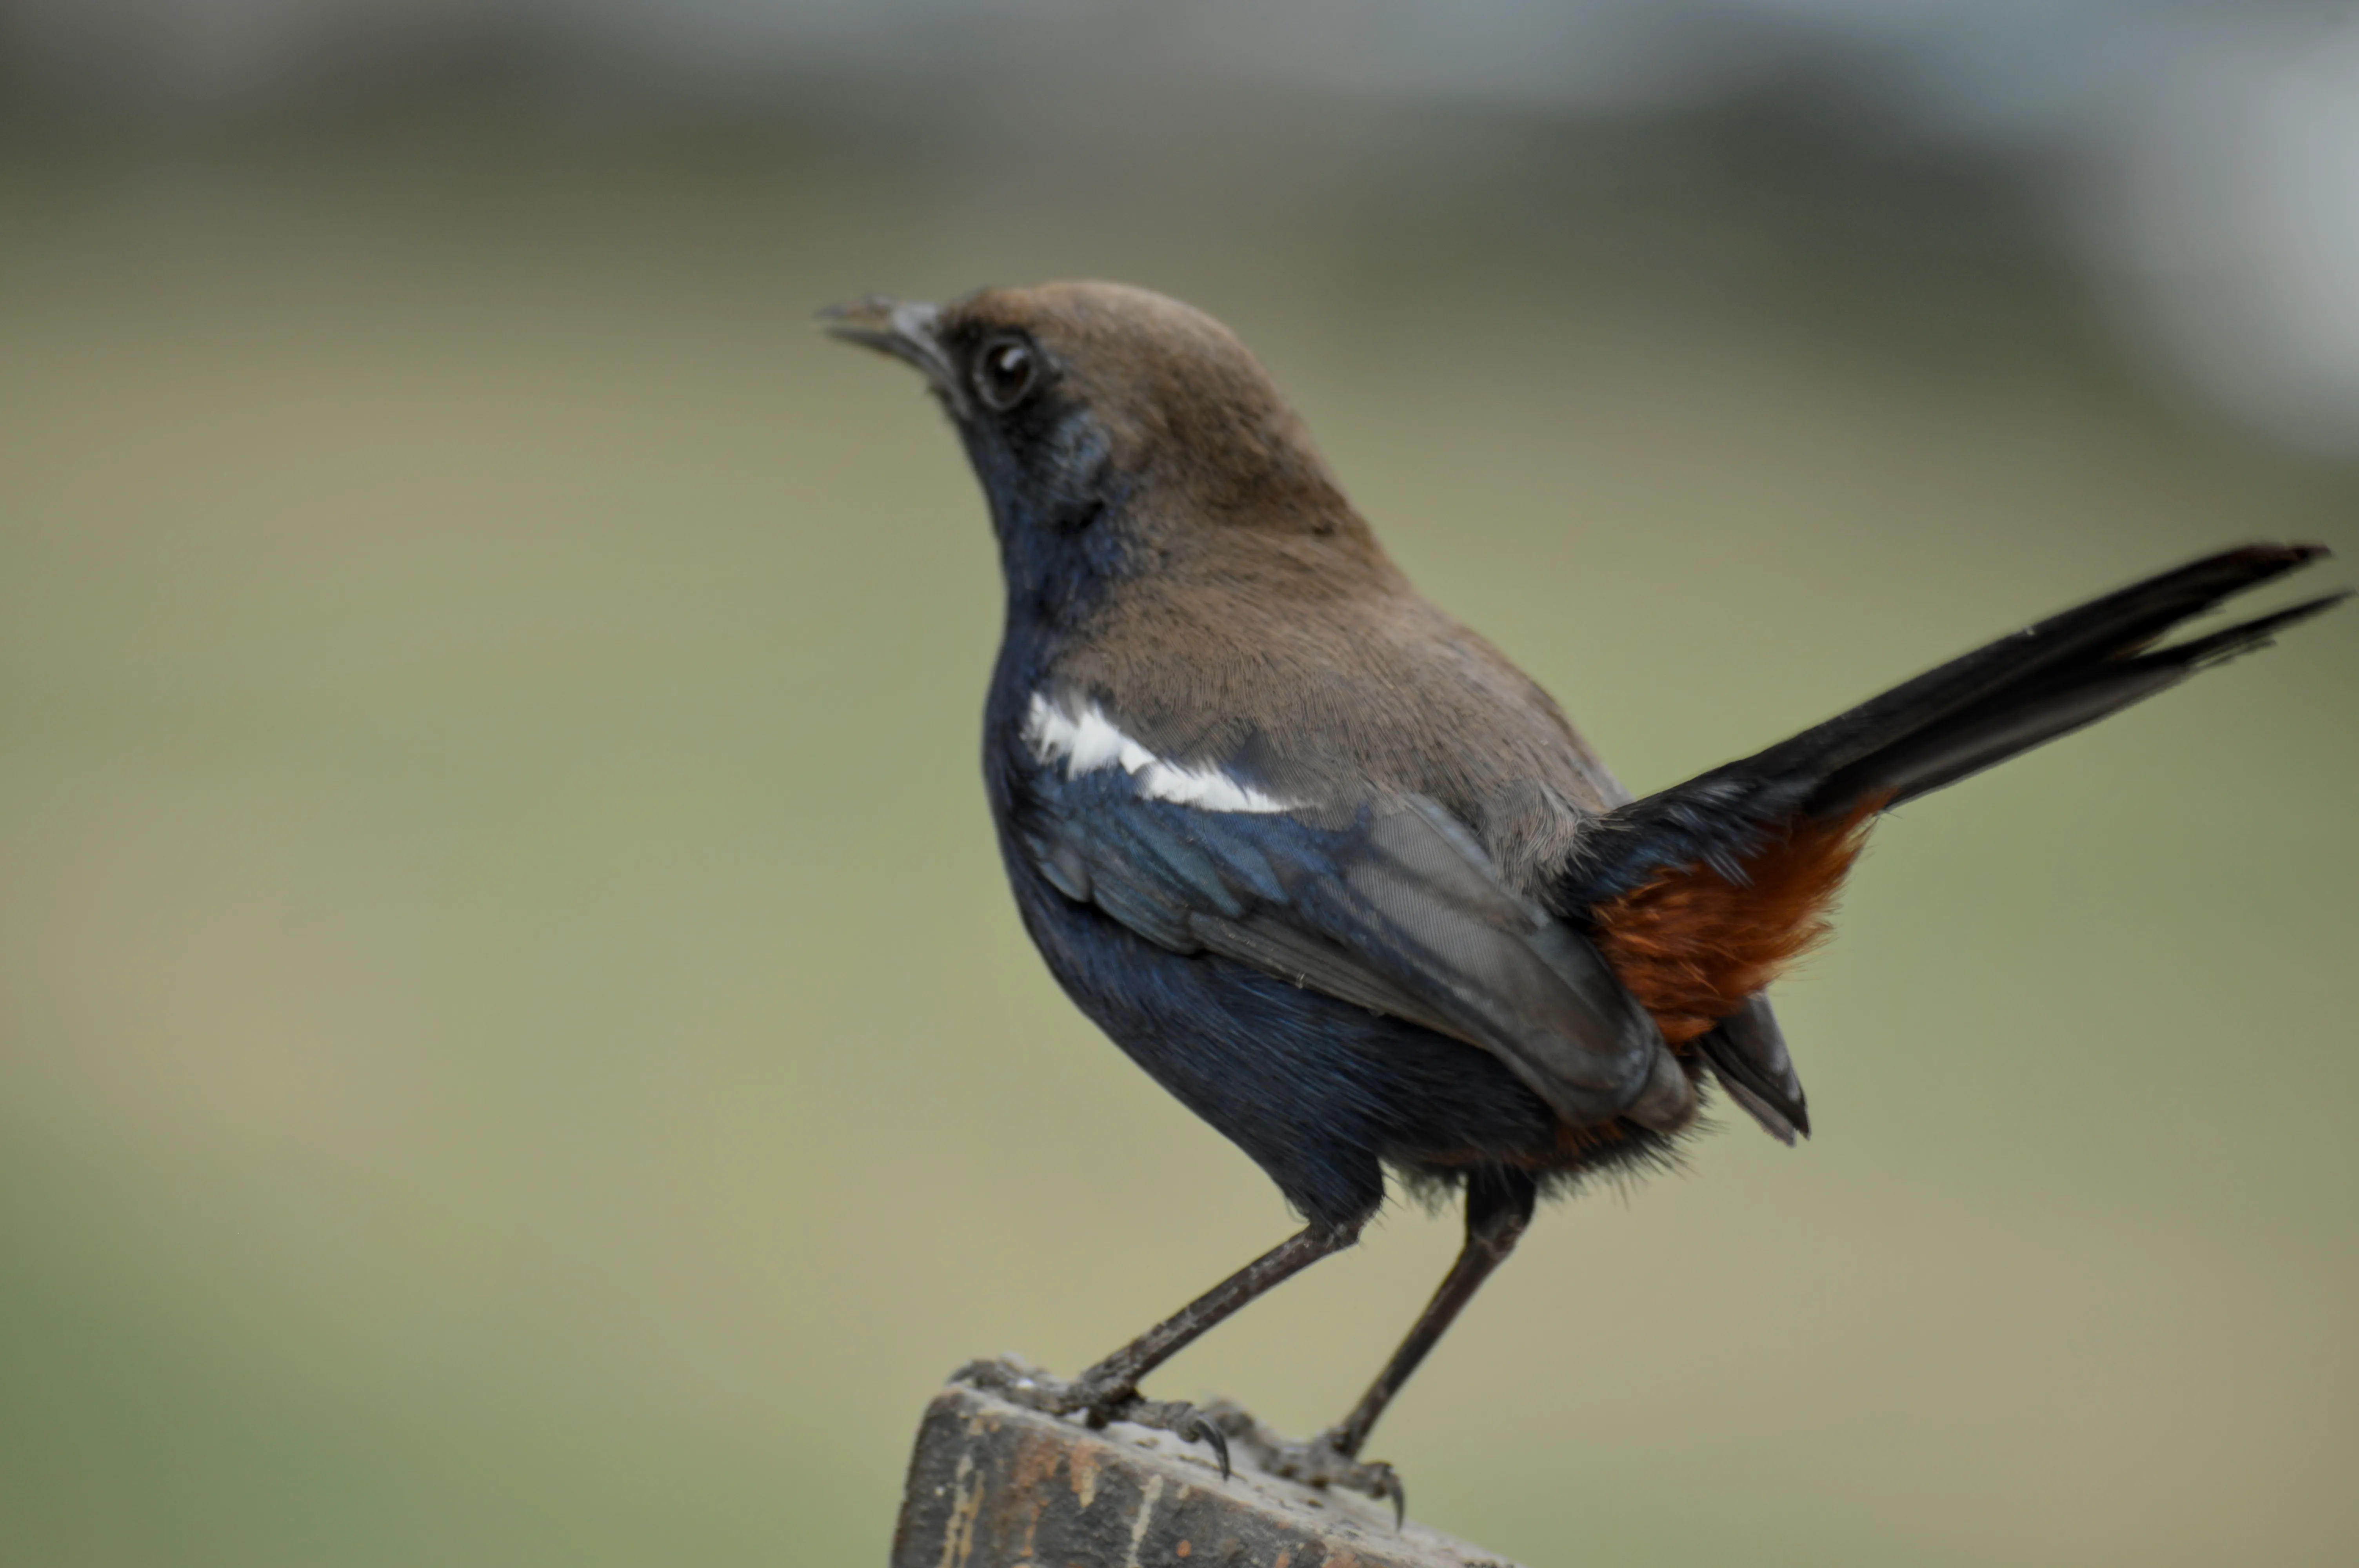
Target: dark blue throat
point(1060, 514)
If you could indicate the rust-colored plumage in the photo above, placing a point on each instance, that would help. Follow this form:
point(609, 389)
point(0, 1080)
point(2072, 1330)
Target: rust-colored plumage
point(1692, 943)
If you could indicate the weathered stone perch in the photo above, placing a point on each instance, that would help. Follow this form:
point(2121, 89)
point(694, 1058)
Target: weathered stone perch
point(996, 1485)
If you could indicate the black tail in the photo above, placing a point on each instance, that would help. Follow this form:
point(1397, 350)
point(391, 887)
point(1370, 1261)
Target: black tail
point(2003, 698)
point(1772, 832)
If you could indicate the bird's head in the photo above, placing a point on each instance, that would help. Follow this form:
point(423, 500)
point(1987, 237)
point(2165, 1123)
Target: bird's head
point(1096, 408)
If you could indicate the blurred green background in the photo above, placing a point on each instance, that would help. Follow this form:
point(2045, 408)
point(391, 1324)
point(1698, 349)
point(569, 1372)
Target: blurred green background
point(514, 1047)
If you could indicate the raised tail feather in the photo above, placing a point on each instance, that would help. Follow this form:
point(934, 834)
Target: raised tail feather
point(2002, 699)
point(1700, 894)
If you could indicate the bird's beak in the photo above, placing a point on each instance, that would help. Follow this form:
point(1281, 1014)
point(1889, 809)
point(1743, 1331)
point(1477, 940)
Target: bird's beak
point(904, 329)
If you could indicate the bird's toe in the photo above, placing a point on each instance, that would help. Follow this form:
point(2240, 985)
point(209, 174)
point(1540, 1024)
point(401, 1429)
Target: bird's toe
point(1317, 1463)
point(1097, 1402)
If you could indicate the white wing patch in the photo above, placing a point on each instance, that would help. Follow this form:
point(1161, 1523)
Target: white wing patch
point(1092, 741)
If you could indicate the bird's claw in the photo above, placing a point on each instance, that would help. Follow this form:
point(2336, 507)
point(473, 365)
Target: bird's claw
point(1184, 1422)
point(1317, 1463)
point(1221, 1426)
point(1200, 1428)
point(1024, 1384)
point(1019, 1381)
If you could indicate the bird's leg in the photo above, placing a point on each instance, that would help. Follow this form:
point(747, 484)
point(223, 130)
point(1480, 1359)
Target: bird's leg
point(1499, 1204)
point(1109, 1391)
point(1115, 1379)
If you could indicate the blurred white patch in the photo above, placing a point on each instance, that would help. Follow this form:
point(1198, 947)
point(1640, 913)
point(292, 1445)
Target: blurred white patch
point(1092, 740)
point(2229, 203)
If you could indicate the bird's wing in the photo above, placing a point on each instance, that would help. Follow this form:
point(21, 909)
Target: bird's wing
point(1393, 906)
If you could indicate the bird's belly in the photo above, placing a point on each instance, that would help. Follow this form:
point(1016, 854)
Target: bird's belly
point(1321, 1092)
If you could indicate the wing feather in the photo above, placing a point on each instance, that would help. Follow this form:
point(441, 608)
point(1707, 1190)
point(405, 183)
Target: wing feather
point(1398, 911)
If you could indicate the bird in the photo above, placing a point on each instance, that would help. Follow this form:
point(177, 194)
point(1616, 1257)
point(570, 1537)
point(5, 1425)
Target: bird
point(1342, 879)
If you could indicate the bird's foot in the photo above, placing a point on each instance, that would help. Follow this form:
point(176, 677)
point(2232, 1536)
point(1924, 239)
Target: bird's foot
point(1317, 1463)
point(1222, 1427)
point(1019, 1382)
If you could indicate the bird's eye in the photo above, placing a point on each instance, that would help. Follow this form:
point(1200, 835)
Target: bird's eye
point(1004, 372)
